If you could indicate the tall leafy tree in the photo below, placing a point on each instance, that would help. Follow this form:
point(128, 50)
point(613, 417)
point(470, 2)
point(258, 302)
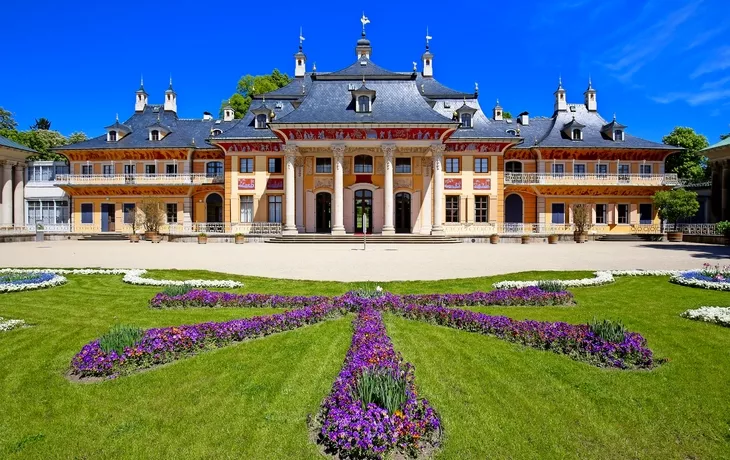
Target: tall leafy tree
point(251, 85)
point(6, 120)
point(41, 123)
point(689, 164)
point(78, 136)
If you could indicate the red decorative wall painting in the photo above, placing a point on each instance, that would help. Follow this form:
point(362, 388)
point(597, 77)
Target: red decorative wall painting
point(482, 184)
point(247, 184)
point(275, 184)
point(452, 184)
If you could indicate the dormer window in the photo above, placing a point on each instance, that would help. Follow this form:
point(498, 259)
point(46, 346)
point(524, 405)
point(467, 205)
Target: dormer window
point(465, 115)
point(466, 120)
point(363, 104)
point(363, 98)
point(112, 136)
point(261, 120)
point(216, 132)
point(614, 131)
point(573, 130)
point(618, 135)
point(154, 135)
point(577, 134)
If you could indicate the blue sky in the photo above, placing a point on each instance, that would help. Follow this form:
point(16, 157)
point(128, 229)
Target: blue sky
point(655, 63)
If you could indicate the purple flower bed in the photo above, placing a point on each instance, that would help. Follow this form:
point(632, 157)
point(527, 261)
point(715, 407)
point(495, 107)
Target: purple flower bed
point(203, 298)
point(576, 341)
point(527, 296)
point(167, 344)
point(349, 430)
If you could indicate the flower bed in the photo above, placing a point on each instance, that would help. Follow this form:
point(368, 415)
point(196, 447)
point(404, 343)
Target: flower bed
point(162, 345)
point(524, 296)
point(600, 277)
point(200, 298)
point(10, 324)
point(576, 341)
point(717, 315)
point(13, 281)
point(709, 277)
point(349, 429)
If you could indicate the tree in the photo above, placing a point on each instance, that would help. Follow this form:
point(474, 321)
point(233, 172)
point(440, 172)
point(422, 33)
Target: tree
point(42, 141)
point(7, 121)
point(78, 136)
point(153, 211)
point(582, 216)
point(507, 115)
point(689, 165)
point(724, 136)
point(249, 86)
point(41, 123)
point(676, 204)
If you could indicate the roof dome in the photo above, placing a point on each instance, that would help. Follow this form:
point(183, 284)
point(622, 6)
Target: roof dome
point(363, 42)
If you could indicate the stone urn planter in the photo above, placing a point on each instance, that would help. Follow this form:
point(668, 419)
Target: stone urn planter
point(553, 239)
point(525, 239)
point(156, 238)
point(580, 237)
point(494, 239)
point(202, 238)
point(149, 235)
point(134, 238)
point(238, 238)
point(674, 237)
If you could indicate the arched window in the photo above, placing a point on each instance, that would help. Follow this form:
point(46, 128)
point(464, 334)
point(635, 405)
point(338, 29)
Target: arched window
point(513, 167)
point(577, 134)
point(217, 132)
point(112, 136)
point(466, 120)
point(618, 135)
point(363, 104)
point(155, 135)
point(261, 120)
point(363, 164)
point(214, 169)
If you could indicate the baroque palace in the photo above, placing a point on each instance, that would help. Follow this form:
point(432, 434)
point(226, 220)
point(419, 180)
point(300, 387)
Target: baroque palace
point(367, 149)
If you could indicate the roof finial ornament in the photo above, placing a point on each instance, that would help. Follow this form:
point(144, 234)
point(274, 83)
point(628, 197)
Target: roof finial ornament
point(415, 66)
point(497, 102)
point(590, 83)
point(301, 38)
point(476, 87)
point(428, 37)
point(117, 118)
point(314, 67)
point(170, 82)
point(560, 82)
point(614, 116)
point(141, 81)
point(364, 21)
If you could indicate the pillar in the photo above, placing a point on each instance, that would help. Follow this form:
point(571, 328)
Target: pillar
point(426, 218)
point(290, 227)
point(6, 208)
point(725, 190)
point(388, 151)
point(18, 203)
point(338, 228)
point(299, 165)
point(438, 189)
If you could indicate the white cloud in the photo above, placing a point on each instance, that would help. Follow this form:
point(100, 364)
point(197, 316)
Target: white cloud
point(694, 99)
point(715, 84)
point(719, 62)
point(703, 37)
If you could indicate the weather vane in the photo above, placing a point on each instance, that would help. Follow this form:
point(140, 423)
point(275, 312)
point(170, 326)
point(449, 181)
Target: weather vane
point(428, 37)
point(301, 37)
point(364, 21)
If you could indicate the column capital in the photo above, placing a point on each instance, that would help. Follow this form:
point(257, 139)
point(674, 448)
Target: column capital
point(437, 150)
point(338, 150)
point(388, 151)
point(290, 151)
point(7, 164)
point(299, 162)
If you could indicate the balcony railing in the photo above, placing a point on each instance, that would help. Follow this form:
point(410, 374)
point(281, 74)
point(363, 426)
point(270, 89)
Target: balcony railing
point(590, 179)
point(137, 179)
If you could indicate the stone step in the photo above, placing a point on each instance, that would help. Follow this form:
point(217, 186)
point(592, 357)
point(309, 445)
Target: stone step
point(358, 239)
point(630, 237)
point(104, 237)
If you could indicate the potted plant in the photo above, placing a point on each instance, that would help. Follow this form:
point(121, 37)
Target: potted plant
point(39, 232)
point(552, 239)
point(724, 228)
point(582, 221)
point(202, 238)
point(134, 219)
point(525, 239)
point(494, 238)
point(239, 238)
point(154, 215)
point(674, 205)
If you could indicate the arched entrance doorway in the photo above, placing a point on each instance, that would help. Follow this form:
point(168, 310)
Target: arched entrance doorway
point(214, 208)
point(324, 212)
point(513, 209)
point(363, 207)
point(403, 212)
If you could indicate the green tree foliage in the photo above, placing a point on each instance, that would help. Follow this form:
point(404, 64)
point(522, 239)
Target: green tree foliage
point(78, 136)
point(689, 165)
point(249, 86)
point(506, 115)
point(676, 204)
point(41, 123)
point(724, 136)
point(6, 120)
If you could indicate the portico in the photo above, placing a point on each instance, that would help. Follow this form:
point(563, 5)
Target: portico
point(12, 182)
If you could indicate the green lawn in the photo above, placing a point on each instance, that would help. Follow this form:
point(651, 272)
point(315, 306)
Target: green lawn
point(251, 400)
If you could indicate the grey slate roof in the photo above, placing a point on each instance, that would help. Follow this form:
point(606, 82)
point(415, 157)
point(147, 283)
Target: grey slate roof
point(364, 67)
point(5, 142)
point(482, 127)
point(431, 88)
point(244, 128)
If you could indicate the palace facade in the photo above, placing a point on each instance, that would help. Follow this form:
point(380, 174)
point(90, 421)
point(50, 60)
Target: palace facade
point(367, 149)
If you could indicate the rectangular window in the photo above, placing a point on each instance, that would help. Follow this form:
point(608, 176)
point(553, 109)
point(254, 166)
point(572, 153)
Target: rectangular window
point(129, 169)
point(452, 165)
point(558, 169)
point(87, 170)
point(558, 212)
point(481, 209)
point(601, 211)
point(149, 170)
point(108, 170)
point(402, 165)
point(645, 213)
point(579, 170)
point(247, 208)
point(623, 214)
point(128, 213)
point(171, 169)
point(324, 165)
point(171, 213)
point(41, 173)
point(275, 208)
point(246, 165)
point(452, 208)
point(87, 213)
point(602, 170)
point(47, 212)
point(481, 165)
point(623, 173)
point(275, 165)
point(645, 170)
point(62, 169)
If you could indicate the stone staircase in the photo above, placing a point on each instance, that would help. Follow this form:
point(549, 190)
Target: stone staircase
point(631, 237)
point(111, 236)
point(358, 239)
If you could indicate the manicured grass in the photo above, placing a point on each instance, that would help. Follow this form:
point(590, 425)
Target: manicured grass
point(251, 400)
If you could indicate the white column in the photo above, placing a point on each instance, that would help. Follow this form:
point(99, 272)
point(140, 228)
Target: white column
point(290, 227)
point(338, 228)
point(18, 204)
point(300, 193)
point(6, 209)
point(388, 151)
point(426, 218)
point(438, 188)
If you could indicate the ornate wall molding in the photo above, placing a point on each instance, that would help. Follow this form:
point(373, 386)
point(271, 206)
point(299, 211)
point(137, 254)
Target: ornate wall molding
point(323, 182)
point(308, 165)
point(403, 182)
point(388, 151)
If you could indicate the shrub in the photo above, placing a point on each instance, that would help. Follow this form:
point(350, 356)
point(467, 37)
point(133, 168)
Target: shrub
point(177, 290)
point(380, 387)
point(154, 214)
point(723, 227)
point(369, 291)
point(120, 337)
point(609, 330)
point(550, 286)
point(676, 204)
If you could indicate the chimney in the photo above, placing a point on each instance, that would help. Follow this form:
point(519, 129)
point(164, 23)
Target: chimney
point(207, 116)
point(524, 118)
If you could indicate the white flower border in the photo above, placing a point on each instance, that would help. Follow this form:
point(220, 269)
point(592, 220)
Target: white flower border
point(717, 315)
point(10, 324)
point(600, 277)
point(716, 285)
point(131, 276)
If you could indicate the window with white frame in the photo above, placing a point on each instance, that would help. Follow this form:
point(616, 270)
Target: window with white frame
point(452, 208)
point(601, 214)
point(579, 170)
point(171, 213)
point(323, 166)
point(363, 164)
point(107, 170)
point(618, 135)
point(149, 170)
point(645, 170)
point(558, 213)
point(558, 169)
point(275, 208)
point(363, 104)
point(481, 165)
point(577, 134)
point(602, 170)
point(246, 165)
point(171, 168)
point(623, 214)
point(261, 120)
point(112, 136)
point(452, 165)
point(402, 165)
point(87, 170)
point(154, 135)
point(38, 173)
point(246, 208)
point(48, 212)
point(481, 208)
point(466, 120)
